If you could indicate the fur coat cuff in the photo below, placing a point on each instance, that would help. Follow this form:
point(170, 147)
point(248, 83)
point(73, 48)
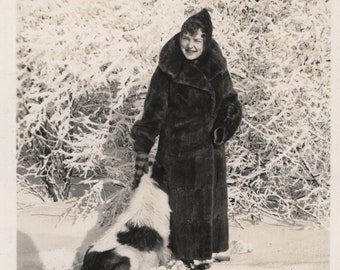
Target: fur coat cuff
point(225, 128)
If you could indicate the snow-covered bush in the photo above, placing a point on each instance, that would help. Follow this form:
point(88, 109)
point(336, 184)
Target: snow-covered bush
point(280, 57)
point(83, 70)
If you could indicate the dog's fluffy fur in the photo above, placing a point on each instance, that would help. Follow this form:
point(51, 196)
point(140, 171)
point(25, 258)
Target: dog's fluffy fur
point(139, 238)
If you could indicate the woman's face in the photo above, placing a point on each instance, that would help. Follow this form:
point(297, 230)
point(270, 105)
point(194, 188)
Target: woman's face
point(192, 45)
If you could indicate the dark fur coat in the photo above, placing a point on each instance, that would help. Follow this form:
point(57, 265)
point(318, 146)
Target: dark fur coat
point(194, 109)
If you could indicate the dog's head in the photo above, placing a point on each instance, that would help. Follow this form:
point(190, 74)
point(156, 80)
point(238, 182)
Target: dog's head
point(106, 260)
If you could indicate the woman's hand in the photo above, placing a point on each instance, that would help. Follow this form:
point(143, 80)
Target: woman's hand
point(141, 167)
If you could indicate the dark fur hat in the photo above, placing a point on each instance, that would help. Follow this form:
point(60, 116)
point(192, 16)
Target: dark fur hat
point(202, 18)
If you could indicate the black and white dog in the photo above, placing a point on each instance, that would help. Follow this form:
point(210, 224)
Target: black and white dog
point(139, 238)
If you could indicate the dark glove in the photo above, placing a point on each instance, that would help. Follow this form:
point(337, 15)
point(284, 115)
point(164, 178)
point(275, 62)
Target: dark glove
point(227, 122)
point(141, 167)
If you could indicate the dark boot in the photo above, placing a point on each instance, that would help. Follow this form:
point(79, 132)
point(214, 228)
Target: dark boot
point(202, 266)
point(188, 263)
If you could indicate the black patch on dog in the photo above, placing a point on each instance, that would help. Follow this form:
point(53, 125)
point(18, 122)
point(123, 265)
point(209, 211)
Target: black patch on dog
point(142, 238)
point(106, 260)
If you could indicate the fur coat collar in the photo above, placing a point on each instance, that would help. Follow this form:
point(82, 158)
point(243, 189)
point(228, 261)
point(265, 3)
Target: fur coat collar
point(198, 73)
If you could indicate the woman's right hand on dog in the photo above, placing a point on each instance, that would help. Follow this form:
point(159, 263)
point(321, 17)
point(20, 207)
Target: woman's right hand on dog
point(141, 167)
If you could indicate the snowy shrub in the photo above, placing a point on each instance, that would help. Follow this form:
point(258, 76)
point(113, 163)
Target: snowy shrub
point(280, 59)
point(83, 70)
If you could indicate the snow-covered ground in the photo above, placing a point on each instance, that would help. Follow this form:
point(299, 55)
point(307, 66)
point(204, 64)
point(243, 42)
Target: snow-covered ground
point(45, 244)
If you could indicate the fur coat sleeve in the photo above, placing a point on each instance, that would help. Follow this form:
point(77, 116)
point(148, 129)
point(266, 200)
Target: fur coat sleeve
point(145, 131)
point(229, 114)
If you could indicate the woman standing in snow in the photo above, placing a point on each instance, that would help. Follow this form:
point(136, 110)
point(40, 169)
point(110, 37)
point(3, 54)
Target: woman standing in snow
point(192, 105)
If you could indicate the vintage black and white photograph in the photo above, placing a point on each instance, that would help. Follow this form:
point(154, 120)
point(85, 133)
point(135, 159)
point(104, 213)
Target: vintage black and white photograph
point(173, 135)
